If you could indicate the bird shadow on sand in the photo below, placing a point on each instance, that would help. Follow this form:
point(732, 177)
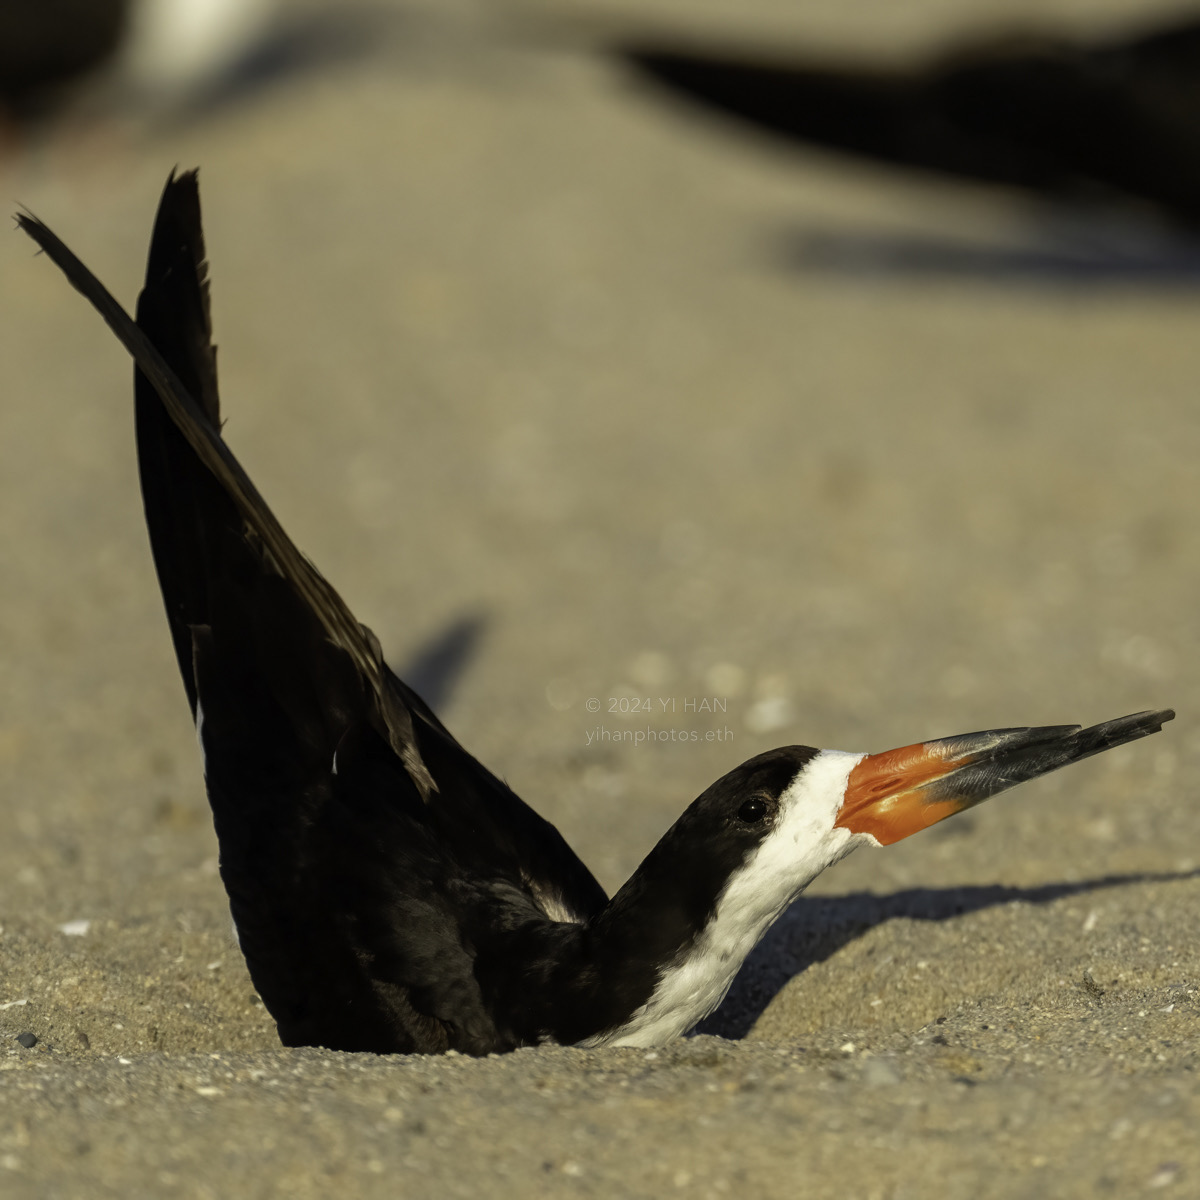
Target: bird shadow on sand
point(1064, 258)
point(434, 670)
point(817, 927)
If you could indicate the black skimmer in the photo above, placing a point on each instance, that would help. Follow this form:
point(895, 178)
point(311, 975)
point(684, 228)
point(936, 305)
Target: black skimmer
point(389, 893)
point(1105, 119)
point(158, 55)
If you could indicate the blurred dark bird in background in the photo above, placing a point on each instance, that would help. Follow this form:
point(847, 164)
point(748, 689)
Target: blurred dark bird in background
point(1106, 120)
point(163, 49)
point(46, 46)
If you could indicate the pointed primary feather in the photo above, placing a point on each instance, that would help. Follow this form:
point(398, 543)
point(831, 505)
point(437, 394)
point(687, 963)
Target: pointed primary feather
point(177, 489)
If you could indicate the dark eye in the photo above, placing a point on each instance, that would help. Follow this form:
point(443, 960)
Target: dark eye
point(752, 811)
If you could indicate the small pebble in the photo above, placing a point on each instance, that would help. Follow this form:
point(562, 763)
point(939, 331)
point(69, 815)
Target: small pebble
point(28, 1040)
point(878, 1073)
point(1166, 1175)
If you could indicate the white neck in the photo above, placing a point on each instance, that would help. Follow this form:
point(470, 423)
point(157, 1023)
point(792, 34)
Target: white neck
point(803, 843)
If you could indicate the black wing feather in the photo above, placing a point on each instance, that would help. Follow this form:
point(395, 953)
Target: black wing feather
point(205, 440)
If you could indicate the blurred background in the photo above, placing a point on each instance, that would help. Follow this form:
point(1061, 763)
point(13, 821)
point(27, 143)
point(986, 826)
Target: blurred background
point(578, 392)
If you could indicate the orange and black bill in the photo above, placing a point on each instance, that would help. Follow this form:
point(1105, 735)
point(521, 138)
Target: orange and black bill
point(899, 792)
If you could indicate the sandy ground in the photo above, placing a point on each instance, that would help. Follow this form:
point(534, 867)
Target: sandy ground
point(575, 396)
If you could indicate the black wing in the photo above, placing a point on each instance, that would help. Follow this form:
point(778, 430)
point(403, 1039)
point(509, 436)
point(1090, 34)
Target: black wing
point(363, 849)
point(1035, 112)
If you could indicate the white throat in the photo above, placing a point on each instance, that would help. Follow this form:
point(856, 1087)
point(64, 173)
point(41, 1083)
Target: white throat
point(803, 843)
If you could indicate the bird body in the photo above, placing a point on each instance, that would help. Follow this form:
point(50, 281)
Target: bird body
point(1051, 115)
point(390, 894)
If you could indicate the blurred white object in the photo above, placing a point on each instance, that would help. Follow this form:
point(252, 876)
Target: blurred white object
point(173, 48)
